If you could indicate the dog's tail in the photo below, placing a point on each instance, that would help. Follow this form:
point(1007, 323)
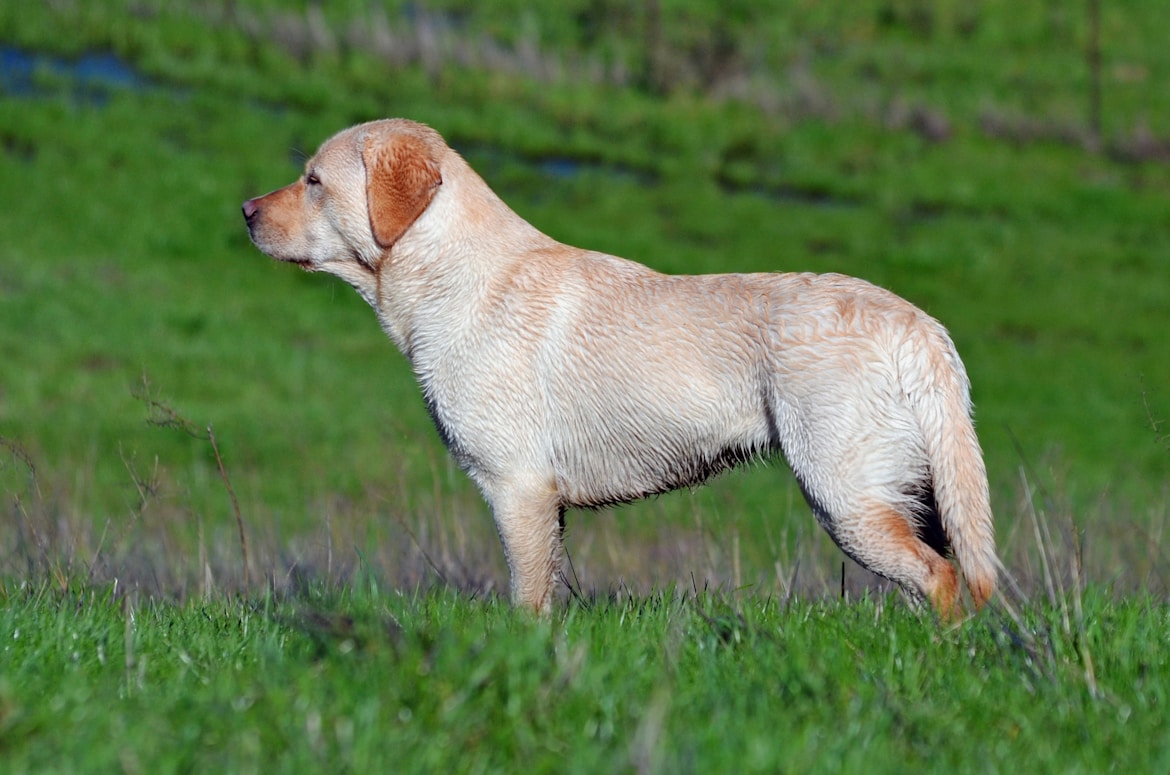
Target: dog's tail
point(943, 409)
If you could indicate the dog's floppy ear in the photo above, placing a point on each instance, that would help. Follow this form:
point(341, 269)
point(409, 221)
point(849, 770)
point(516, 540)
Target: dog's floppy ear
point(401, 178)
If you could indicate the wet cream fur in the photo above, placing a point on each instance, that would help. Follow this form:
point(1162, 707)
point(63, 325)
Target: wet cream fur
point(560, 377)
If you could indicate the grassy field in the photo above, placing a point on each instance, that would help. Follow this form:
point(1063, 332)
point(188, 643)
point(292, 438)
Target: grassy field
point(370, 680)
point(170, 399)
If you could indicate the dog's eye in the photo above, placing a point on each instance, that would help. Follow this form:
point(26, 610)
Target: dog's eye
point(311, 179)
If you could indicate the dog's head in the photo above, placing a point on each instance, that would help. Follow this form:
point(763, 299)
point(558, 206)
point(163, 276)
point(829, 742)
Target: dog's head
point(360, 193)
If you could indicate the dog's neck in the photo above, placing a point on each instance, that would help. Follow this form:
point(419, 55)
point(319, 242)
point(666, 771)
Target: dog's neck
point(443, 268)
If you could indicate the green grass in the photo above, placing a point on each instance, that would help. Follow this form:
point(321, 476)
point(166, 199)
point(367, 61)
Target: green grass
point(367, 633)
point(374, 680)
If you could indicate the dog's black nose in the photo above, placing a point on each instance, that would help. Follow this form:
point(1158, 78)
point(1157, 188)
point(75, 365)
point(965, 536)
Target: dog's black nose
point(250, 209)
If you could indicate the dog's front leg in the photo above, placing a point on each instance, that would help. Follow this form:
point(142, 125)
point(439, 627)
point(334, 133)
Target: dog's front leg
point(528, 519)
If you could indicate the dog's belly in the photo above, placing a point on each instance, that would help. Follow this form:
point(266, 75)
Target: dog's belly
point(612, 479)
point(653, 390)
point(625, 450)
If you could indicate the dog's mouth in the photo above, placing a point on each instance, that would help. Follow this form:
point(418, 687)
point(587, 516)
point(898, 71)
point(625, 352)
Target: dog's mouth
point(303, 263)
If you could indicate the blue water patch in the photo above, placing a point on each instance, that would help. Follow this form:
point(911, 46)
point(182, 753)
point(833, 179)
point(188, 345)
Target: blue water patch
point(561, 167)
point(91, 76)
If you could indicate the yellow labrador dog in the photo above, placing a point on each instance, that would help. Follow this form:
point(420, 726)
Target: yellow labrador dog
point(560, 377)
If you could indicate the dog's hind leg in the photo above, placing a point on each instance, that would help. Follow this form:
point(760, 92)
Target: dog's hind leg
point(529, 520)
point(884, 540)
point(858, 462)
